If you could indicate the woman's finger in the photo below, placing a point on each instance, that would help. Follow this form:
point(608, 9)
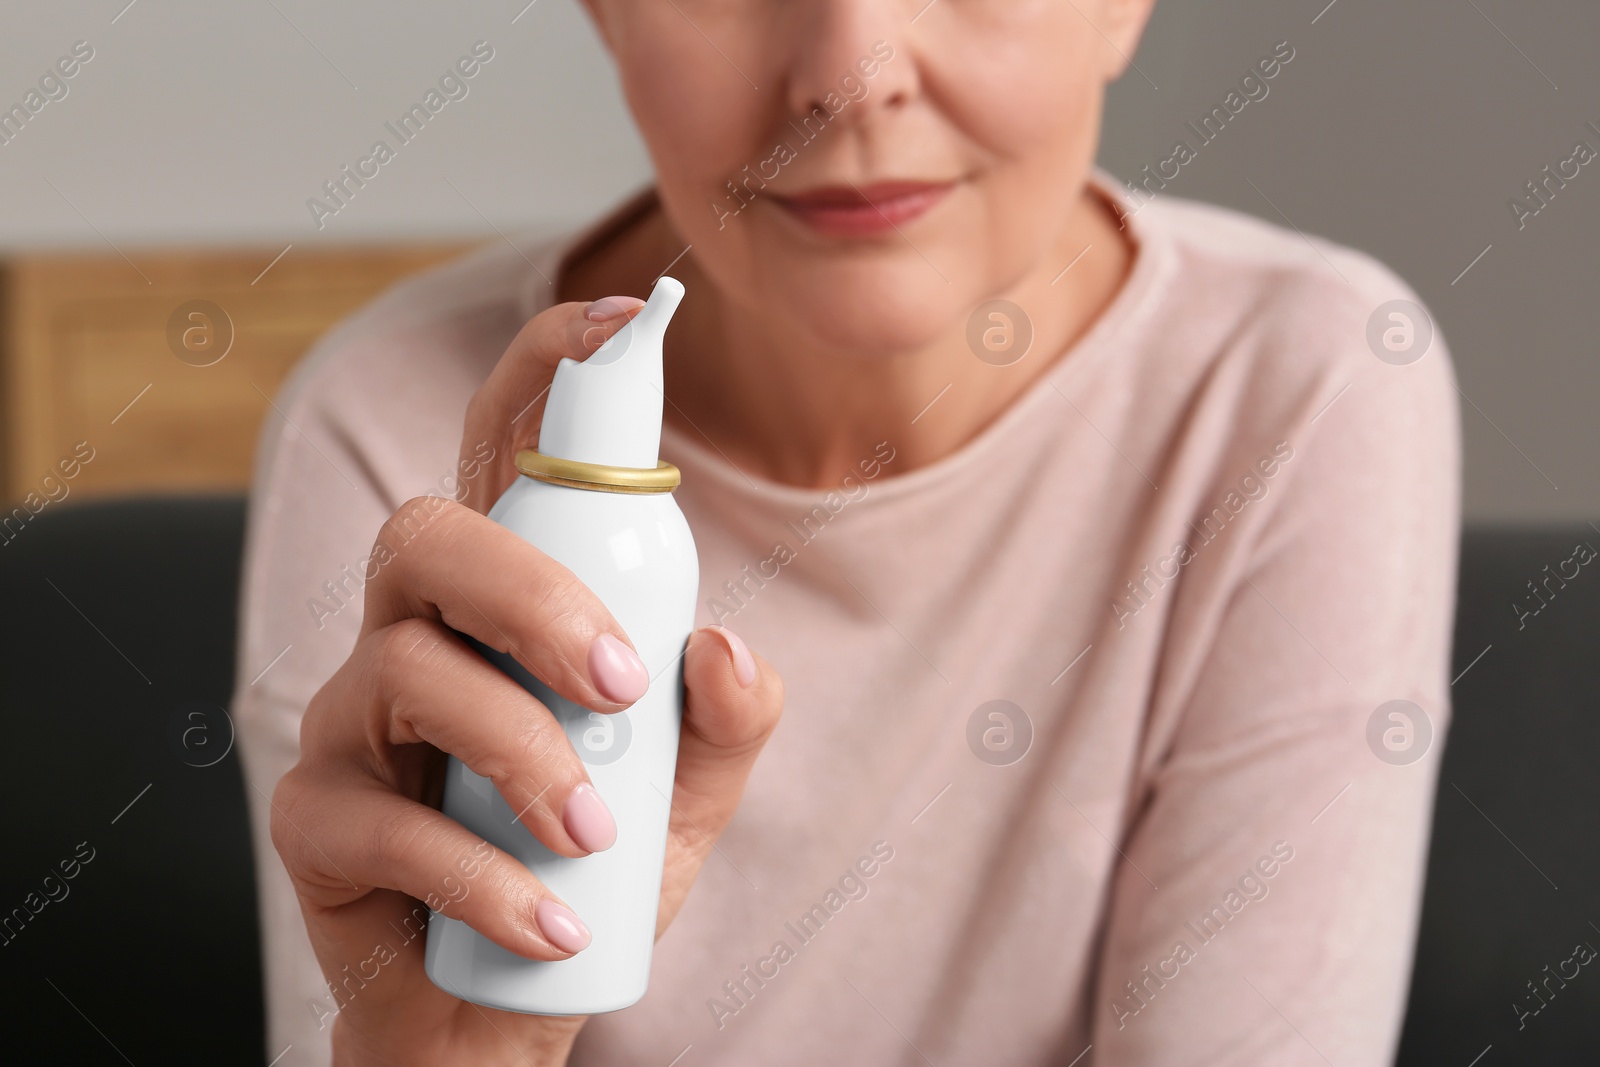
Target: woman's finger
point(481, 579)
point(506, 412)
point(735, 699)
point(416, 682)
point(386, 841)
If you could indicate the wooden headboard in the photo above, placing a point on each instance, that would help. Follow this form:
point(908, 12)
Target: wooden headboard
point(126, 358)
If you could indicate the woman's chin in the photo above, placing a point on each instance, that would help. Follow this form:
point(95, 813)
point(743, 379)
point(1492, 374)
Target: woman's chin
point(871, 307)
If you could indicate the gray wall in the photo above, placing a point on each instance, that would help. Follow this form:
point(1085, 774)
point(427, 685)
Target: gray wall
point(210, 122)
point(1401, 129)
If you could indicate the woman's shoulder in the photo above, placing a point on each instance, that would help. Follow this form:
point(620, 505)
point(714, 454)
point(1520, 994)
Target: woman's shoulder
point(1251, 332)
point(1280, 313)
point(431, 329)
point(422, 344)
point(380, 396)
point(1245, 266)
point(446, 327)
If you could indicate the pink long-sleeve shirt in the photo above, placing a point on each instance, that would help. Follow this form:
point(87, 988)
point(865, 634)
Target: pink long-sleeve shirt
point(1082, 753)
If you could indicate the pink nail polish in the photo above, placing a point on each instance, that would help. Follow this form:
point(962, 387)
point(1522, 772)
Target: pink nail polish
point(588, 820)
point(617, 671)
point(744, 664)
point(611, 307)
point(560, 926)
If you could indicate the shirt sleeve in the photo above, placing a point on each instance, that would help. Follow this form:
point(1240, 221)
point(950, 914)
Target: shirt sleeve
point(1266, 910)
point(316, 506)
point(371, 418)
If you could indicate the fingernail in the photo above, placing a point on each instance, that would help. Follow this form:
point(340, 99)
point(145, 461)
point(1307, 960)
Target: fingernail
point(560, 926)
point(744, 664)
point(617, 671)
point(611, 307)
point(588, 820)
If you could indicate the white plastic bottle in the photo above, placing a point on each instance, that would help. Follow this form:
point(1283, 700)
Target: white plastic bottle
point(594, 498)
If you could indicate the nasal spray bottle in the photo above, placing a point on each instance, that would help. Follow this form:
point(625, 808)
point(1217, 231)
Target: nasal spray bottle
point(594, 497)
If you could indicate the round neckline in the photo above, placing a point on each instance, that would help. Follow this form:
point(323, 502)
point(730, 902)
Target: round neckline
point(1131, 303)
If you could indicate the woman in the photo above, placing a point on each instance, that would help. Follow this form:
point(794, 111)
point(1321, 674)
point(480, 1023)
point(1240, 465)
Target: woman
point(1083, 601)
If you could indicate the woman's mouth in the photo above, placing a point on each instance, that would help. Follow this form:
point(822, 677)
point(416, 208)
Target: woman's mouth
point(863, 210)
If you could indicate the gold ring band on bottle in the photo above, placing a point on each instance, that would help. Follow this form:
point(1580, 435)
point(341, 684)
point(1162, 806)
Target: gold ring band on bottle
point(574, 474)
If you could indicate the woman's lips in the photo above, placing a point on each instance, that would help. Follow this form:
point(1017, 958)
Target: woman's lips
point(865, 210)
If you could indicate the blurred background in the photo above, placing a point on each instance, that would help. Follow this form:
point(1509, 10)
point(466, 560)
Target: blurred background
point(179, 164)
point(161, 272)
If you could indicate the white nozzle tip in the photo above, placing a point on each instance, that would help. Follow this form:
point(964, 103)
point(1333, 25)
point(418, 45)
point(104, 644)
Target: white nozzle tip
point(607, 408)
point(664, 299)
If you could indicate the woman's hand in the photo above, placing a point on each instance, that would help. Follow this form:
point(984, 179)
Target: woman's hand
point(355, 821)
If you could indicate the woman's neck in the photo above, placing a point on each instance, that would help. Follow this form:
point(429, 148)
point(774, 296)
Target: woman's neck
point(804, 415)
